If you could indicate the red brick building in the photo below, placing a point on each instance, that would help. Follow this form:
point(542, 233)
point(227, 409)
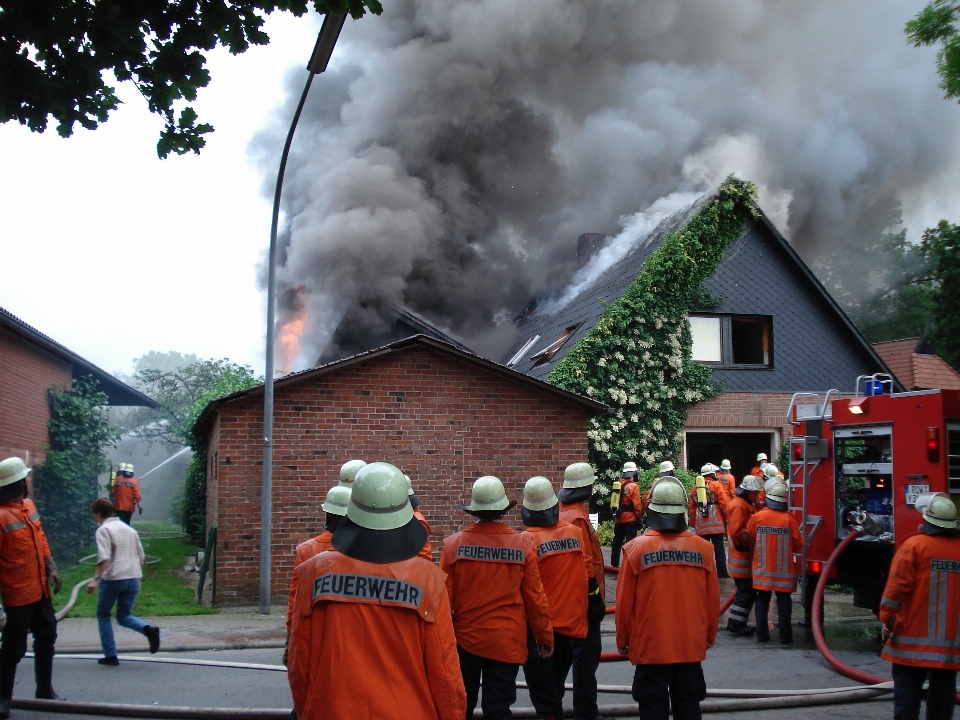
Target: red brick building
point(444, 416)
point(30, 364)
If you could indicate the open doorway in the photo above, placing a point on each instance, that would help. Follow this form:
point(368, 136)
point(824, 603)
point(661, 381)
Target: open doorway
point(740, 448)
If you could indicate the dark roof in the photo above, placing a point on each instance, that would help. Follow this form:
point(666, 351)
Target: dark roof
point(816, 346)
point(916, 366)
point(206, 418)
point(117, 392)
point(422, 326)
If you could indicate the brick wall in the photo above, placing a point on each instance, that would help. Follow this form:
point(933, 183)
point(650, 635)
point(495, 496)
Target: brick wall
point(26, 372)
point(442, 421)
point(746, 410)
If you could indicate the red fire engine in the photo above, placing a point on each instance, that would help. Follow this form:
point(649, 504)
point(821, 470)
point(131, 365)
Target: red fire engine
point(862, 462)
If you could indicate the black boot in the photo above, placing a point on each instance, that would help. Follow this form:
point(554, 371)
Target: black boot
point(153, 635)
point(43, 671)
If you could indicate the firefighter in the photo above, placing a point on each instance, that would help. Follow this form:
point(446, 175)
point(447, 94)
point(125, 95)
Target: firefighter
point(739, 512)
point(495, 594)
point(26, 568)
point(775, 536)
point(625, 517)
point(757, 469)
point(726, 478)
point(427, 551)
point(771, 476)
point(334, 508)
point(348, 471)
point(371, 606)
point(666, 469)
point(668, 573)
point(709, 520)
point(125, 493)
point(563, 556)
point(578, 480)
point(920, 612)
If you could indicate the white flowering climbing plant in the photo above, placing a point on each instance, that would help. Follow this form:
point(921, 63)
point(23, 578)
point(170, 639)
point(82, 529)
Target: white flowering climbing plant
point(637, 358)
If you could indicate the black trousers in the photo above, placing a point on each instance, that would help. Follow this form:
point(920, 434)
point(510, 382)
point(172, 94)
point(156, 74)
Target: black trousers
point(908, 688)
point(499, 681)
point(37, 618)
point(742, 603)
point(125, 515)
point(719, 553)
point(658, 688)
point(584, 658)
point(543, 675)
point(622, 534)
point(784, 615)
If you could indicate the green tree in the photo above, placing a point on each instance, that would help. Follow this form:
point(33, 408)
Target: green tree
point(942, 245)
point(936, 24)
point(62, 58)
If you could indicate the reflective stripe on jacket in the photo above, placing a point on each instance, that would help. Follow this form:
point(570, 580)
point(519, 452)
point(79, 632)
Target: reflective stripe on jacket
point(667, 575)
point(775, 537)
point(575, 514)
point(373, 641)
point(739, 513)
point(715, 521)
point(495, 591)
point(306, 550)
point(563, 556)
point(922, 598)
point(426, 552)
point(629, 503)
point(23, 547)
point(126, 494)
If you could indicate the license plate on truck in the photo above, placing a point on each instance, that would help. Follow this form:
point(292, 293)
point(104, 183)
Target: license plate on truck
point(915, 491)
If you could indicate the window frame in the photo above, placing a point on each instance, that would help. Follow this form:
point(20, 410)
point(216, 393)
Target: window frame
point(726, 341)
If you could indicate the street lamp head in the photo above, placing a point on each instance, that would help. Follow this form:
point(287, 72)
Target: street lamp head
point(329, 32)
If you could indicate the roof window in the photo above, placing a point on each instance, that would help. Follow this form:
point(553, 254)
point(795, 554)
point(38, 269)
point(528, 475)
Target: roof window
point(522, 351)
point(550, 350)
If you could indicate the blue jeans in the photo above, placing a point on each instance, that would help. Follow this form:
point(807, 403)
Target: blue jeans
point(124, 594)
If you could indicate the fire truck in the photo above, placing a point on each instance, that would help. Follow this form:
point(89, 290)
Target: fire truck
point(863, 461)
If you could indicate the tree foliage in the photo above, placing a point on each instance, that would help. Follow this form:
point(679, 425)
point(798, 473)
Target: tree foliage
point(936, 24)
point(57, 57)
point(637, 358)
point(942, 245)
point(66, 482)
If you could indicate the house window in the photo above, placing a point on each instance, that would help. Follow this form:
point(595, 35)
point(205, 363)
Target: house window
point(707, 346)
point(550, 350)
point(750, 340)
point(522, 351)
point(733, 340)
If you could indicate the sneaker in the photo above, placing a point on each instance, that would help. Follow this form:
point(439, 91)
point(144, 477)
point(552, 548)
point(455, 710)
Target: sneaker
point(153, 635)
point(112, 661)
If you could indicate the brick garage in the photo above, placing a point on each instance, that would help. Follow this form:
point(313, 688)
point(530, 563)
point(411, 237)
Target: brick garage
point(444, 416)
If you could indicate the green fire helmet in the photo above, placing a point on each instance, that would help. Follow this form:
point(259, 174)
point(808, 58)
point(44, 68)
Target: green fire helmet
point(488, 494)
point(409, 484)
point(751, 482)
point(578, 475)
point(777, 496)
point(771, 471)
point(725, 465)
point(12, 470)
point(348, 472)
point(338, 500)
point(666, 467)
point(538, 494)
point(379, 498)
point(668, 497)
point(940, 512)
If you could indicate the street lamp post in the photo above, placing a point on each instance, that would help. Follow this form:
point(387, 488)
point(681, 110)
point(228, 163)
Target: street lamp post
point(329, 32)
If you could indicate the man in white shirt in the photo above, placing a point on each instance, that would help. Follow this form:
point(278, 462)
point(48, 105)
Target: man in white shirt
point(119, 561)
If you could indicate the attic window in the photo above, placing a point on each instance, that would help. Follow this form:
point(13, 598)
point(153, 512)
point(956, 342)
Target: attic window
point(550, 350)
point(750, 340)
point(734, 341)
point(522, 351)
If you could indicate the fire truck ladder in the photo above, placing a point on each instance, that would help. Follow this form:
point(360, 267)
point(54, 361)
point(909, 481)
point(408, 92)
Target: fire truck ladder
point(806, 452)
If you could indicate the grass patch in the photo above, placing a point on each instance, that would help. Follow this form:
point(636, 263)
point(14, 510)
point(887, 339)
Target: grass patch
point(162, 590)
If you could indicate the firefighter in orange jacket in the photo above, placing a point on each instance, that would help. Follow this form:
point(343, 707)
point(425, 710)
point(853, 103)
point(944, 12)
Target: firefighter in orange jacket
point(920, 612)
point(626, 515)
point(578, 480)
point(371, 605)
point(762, 462)
point(668, 572)
point(26, 566)
point(775, 536)
point(427, 551)
point(495, 593)
point(739, 512)
point(710, 520)
point(563, 556)
point(727, 479)
point(125, 493)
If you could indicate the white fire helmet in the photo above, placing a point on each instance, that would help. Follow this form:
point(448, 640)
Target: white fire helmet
point(708, 469)
point(488, 494)
point(762, 457)
point(666, 467)
point(751, 482)
point(538, 494)
point(938, 509)
point(12, 470)
point(629, 467)
point(771, 471)
point(379, 499)
point(578, 475)
point(337, 502)
point(777, 496)
point(668, 496)
point(348, 472)
point(725, 465)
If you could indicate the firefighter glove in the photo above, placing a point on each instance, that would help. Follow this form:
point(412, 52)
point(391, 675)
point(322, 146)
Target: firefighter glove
point(53, 575)
point(886, 631)
point(596, 607)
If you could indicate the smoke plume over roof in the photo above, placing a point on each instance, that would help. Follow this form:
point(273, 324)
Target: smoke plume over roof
point(455, 150)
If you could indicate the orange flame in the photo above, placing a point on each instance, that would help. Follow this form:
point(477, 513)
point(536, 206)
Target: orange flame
point(288, 339)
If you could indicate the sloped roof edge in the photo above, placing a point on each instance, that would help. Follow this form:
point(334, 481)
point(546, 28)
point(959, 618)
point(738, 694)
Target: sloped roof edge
point(421, 323)
point(205, 419)
point(117, 392)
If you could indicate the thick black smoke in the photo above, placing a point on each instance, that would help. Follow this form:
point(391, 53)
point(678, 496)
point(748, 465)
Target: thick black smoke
point(456, 149)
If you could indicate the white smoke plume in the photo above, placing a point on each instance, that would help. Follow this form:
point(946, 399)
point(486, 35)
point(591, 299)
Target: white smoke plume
point(456, 149)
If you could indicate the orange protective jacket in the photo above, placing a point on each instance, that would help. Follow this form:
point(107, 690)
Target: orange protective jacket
point(728, 482)
point(715, 521)
point(563, 556)
point(922, 600)
point(630, 503)
point(23, 547)
point(126, 493)
point(495, 591)
point(306, 550)
point(575, 514)
point(390, 623)
point(667, 575)
point(739, 512)
point(775, 537)
point(427, 551)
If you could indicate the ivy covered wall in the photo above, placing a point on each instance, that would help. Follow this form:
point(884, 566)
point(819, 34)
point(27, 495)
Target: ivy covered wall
point(637, 358)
